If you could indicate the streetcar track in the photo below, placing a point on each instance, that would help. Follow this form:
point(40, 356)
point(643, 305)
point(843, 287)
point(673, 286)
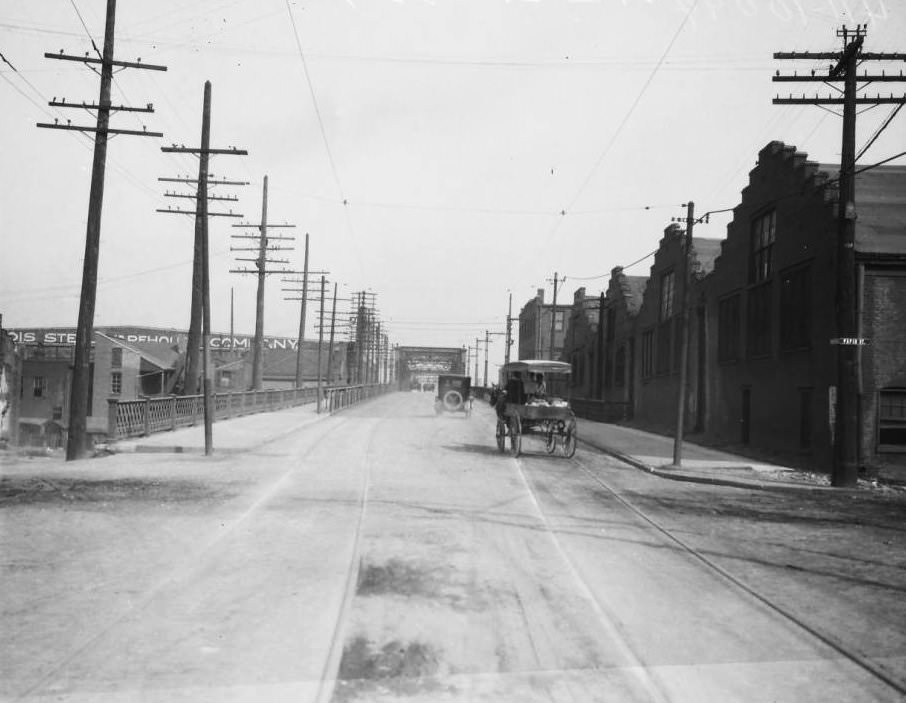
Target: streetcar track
point(863, 662)
point(646, 678)
point(191, 563)
point(329, 671)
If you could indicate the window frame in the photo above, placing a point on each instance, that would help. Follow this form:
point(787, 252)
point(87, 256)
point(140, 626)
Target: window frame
point(893, 422)
point(667, 296)
point(116, 382)
point(761, 246)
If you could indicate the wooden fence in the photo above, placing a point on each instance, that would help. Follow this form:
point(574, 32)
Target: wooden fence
point(138, 418)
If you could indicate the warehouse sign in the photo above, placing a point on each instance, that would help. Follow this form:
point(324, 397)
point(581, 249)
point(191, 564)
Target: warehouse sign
point(144, 335)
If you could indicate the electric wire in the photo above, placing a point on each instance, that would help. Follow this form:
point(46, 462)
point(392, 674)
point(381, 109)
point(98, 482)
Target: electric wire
point(625, 119)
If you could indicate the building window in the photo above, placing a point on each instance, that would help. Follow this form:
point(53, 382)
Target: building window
point(40, 386)
point(758, 318)
point(795, 309)
point(664, 339)
point(647, 354)
point(892, 419)
point(728, 329)
point(116, 382)
point(558, 320)
point(668, 282)
point(805, 418)
point(619, 370)
point(763, 234)
point(116, 358)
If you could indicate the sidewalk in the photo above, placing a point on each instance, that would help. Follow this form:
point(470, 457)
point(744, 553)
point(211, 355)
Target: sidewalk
point(654, 453)
point(230, 436)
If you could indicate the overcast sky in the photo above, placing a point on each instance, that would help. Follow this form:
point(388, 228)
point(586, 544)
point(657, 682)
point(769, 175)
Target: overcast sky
point(455, 132)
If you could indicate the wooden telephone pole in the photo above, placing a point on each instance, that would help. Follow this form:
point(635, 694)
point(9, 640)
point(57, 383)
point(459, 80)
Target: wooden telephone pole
point(304, 297)
point(261, 271)
point(203, 261)
point(77, 444)
point(846, 431)
point(193, 346)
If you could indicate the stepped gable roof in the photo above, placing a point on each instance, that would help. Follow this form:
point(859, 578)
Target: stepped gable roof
point(632, 288)
point(704, 252)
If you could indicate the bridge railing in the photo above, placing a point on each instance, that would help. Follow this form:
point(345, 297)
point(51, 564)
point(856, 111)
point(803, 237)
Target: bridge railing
point(142, 417)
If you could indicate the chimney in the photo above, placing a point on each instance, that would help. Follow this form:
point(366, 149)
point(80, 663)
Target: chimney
point(540, 296)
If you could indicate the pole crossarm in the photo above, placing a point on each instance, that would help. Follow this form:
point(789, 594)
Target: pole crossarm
point(827, 78)
point(90, 59)
point(93, 106)
point(177, 211)
point(836, 55)
point(211, 182)
point(839, 101)
point(256, 271)
point(101, 130)
point(195, 150)
point(230, 198)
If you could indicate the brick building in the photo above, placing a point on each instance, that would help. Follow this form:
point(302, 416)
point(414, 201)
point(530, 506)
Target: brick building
point(535, 328)
point(762, 369)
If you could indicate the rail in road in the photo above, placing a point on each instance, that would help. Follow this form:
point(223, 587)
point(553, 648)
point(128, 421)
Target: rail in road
point(388, 554)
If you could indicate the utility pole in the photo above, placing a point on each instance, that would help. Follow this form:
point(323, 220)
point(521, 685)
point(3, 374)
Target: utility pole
point(201, 244)
point(554, 313)
point(77, 434)
point(320, 342)
point(304, 297)
point(193, 345)
point(509, 330)
point(684, 339)
point(846, 432)
point(333, 321)
point(487, 336)
point(477, 350)
point(261, 271)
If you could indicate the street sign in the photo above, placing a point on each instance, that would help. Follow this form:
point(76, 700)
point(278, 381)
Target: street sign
point(850, 341)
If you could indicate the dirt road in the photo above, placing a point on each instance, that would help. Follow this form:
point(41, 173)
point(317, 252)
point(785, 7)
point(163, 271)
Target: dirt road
point(385, 554)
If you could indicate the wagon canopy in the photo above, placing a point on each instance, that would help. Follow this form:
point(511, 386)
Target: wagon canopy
point(545, 366)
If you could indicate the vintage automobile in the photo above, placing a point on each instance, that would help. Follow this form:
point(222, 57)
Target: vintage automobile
point(531, 402)
point(453, 394)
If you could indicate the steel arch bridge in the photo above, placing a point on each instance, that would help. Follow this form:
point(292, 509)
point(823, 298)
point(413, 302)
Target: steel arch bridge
point(416, 365)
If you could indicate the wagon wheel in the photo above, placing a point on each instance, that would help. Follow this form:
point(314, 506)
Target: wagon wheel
point(570, 437)
point(550, 443)
point(515, 436)
point(501, 435)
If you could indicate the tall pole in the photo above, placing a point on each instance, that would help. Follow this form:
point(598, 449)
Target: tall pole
point(845, 470)
point(509, 330)
point(232, 327)
point(684, 343)
point(302, 317)
point(261, 263)
point(320, 340)
point(202, 209)
point(477, 348)
point(553, 315)
point(845, 467)
point(77, 440)
point(486, 342)
point(333, 321)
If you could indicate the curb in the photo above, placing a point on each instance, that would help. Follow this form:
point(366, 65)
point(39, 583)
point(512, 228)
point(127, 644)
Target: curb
point(710, 480)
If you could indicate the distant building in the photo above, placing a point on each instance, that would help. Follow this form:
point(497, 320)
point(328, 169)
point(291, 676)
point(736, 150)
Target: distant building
point(535, 328)
point(128, 363)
